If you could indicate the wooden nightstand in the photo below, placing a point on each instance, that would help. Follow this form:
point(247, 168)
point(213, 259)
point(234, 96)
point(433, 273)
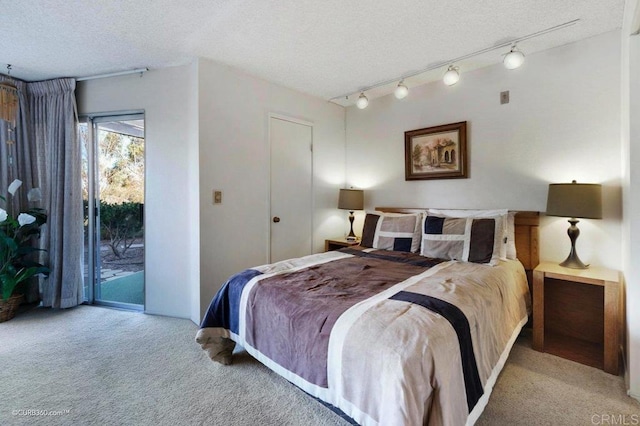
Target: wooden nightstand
point(338, 243)
point(577, 314)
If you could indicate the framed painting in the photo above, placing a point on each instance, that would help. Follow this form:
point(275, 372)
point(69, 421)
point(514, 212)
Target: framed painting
point(438, 152)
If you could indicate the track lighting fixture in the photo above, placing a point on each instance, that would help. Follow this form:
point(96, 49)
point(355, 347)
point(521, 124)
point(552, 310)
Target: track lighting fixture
point(362, 101)
point(452, 76)
point(513, 59)
point(401, 91)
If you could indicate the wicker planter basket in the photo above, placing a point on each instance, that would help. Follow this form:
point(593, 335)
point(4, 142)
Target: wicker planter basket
point(9, 307)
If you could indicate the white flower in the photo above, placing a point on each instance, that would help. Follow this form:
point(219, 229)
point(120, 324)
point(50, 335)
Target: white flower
point(3, 215)
point(14, 186)
point(25, 219)
point(34, 195)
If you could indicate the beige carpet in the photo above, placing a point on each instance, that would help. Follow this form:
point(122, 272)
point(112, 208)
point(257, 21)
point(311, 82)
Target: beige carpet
point(91, 365)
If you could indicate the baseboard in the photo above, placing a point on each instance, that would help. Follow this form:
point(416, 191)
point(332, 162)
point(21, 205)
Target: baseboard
point(633, 395)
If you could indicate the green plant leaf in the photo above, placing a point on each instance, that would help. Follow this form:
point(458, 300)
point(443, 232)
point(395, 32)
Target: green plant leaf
point(10, 243)
point(8, 284)
point(17, 253)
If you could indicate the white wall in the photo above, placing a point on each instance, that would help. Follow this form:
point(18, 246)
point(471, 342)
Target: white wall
point(171, 190)
point(630, 89)
point(632, 215)
point(562, 123)
point(234, 157)
point(193, 193)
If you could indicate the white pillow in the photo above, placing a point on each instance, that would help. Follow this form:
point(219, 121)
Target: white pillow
point(502, 224)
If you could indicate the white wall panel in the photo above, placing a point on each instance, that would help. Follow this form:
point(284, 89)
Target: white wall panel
point(632, 210)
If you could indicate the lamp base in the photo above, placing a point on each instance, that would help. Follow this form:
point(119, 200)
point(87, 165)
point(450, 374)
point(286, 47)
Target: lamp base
point(352, 235)
point(573, 261)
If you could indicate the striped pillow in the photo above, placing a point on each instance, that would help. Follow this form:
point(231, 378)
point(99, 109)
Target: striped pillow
point(500, 215)
point(392, 231)
point(465, 239)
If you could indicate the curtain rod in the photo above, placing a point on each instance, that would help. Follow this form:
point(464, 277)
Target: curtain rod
point(460, 58)
point(114, 74)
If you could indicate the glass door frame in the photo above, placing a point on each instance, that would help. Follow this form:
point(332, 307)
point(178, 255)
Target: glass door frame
point(93, 205)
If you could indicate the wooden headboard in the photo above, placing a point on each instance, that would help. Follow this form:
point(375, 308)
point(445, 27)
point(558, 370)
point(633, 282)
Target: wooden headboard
point(526, 223)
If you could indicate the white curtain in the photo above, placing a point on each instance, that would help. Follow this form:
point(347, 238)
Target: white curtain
point(52, 134)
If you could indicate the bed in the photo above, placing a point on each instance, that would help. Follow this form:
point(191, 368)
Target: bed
point(389, 337)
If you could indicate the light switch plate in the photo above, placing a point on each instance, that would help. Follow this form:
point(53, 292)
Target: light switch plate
point(217, 197)
point(504, 97)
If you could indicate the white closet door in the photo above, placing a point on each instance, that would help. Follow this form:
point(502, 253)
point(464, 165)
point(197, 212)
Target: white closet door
point(291, 188)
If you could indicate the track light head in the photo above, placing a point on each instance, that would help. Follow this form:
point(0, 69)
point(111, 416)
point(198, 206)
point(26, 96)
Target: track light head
point(362, 101)
point(452, 76)
point(513, 59)
point(401, 91)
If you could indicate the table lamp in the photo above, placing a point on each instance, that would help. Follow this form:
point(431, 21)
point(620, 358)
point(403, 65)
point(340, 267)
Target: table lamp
point(574, 200)
point(351, 199)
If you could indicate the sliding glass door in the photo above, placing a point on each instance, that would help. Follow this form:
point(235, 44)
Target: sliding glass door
point(113, 191)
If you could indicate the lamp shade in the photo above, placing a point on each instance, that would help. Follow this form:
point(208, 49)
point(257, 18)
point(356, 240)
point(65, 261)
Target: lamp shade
point(579, 200)
point(8, 102)
point(351, 199)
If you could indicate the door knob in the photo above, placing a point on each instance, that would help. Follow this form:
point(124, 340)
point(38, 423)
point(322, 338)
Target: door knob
point(276, 219)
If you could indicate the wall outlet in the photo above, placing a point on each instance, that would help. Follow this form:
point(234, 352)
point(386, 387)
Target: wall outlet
point(217, 197)
point(504, 97)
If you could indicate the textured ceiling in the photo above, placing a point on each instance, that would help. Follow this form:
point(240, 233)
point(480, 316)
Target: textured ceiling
point(325, 48)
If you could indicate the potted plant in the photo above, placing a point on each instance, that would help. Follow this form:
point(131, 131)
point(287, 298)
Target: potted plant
point(18, 260)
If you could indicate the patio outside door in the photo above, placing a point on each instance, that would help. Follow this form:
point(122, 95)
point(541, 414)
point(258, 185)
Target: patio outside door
point(113, 192)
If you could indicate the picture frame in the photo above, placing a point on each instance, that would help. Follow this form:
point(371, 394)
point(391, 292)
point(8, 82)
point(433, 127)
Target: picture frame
point(438, 152)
